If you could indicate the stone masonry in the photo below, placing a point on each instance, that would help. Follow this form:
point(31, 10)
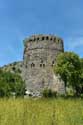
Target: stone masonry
point(40, 54)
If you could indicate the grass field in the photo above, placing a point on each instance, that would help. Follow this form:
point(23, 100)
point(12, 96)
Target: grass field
point(41, 111)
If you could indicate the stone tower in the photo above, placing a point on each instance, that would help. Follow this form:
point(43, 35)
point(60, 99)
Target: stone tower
point(40, 54)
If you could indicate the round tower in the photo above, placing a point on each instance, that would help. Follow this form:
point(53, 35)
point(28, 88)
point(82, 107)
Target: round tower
point(40, 54)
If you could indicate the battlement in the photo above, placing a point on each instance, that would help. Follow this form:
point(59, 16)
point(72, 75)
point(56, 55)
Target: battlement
point(36, 38)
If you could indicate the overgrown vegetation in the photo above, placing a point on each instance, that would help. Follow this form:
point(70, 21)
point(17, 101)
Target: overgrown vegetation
point(11, 84)
point(70, 67)
point(47, 93)
point(41, 111)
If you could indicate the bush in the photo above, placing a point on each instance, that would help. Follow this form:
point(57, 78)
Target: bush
point(11, 83)
point(49, 93)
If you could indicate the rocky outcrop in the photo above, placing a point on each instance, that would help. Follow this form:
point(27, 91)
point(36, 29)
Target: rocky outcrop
point(15, 67)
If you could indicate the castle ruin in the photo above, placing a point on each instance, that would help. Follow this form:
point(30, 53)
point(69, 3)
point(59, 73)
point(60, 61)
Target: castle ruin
point(39, 57)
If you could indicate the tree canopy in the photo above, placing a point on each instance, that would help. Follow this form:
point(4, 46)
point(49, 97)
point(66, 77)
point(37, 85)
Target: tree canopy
point(11, 83)
point(69, 66)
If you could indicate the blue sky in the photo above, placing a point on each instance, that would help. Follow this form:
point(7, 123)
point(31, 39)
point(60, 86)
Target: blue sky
point(22, 18)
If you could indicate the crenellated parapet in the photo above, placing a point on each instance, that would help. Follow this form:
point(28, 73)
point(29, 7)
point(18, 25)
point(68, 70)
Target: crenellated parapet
point(38, 38)
point(43, 42)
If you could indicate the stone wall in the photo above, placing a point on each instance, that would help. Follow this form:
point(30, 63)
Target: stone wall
point(40, 54)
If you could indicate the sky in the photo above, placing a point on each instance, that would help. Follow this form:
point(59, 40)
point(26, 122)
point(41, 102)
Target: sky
point(22, 18)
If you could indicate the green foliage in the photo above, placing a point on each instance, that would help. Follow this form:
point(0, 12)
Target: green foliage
point(19, 87)
point(49, 93)
point(11, 83)
point(68, 66)
point(81, 70)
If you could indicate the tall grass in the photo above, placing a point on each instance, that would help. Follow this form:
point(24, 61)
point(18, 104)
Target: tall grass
point(41, 112)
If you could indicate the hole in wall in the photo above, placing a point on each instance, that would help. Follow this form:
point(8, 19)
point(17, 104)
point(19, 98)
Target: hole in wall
point(32, 65)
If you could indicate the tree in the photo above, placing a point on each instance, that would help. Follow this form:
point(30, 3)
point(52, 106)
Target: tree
point(19, 86)
point(4, 86)
point(68, 66)
point(11, 83)
point(81, 76)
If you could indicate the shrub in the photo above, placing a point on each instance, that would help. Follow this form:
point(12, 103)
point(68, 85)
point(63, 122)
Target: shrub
point(48, 93)
point(11, 83)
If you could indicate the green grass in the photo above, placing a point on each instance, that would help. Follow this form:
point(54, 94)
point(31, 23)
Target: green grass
point(41, 112)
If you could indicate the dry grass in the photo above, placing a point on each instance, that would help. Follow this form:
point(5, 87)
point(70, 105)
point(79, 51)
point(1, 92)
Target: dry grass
point(41, 112)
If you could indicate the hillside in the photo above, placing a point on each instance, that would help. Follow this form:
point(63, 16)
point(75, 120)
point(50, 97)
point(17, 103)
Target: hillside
point(15, 67)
